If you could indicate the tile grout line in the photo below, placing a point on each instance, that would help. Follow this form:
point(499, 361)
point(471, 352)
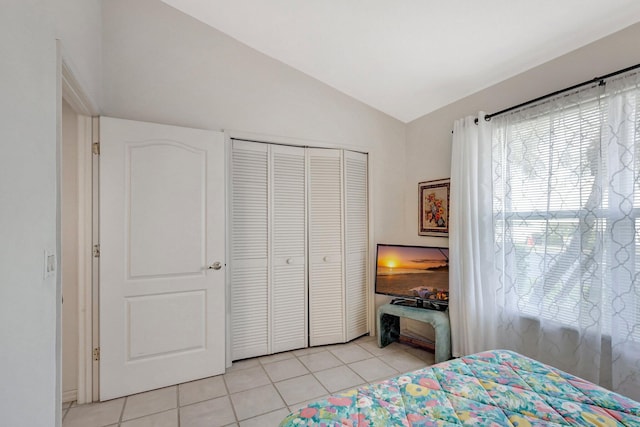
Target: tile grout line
point(64, 415)
point(273, 384)
point(122, 421)
point(292, 356)
point(124, 404)
point(286, 405)
point(356, 374)
point(178, 404)
point(328, 349)
point(144, 416)
point(314, 377)
point(226, 387)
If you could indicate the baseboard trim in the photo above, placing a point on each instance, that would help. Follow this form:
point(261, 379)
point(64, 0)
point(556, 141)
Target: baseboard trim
point(69, 396)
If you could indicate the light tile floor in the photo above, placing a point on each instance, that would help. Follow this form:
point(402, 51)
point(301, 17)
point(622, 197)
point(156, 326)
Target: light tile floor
point(254, 392)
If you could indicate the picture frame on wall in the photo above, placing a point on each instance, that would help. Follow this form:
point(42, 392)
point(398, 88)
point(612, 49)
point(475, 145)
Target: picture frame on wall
point(434, 208)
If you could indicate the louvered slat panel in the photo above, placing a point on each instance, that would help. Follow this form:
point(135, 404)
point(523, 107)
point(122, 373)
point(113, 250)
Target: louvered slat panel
point(289, 206)
point(356, 295)
point(356, 243)
point(249, 246)
point(325, 202)
point(326, 291)
point(249, 201)
point(288, 307)
point(326, 322)
point(288, 249)
point(248, 311)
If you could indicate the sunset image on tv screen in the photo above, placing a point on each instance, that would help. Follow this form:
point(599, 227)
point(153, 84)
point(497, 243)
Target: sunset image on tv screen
point(404, 270)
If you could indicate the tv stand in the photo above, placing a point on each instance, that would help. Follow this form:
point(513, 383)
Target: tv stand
point(388, 325)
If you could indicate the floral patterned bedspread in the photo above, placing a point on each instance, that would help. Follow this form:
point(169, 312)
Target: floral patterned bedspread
point(496, 388)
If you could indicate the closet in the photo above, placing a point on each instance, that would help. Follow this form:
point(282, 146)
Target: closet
point(298, 246)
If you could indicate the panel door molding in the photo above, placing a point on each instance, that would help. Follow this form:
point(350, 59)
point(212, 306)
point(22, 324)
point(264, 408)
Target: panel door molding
point(162, 311)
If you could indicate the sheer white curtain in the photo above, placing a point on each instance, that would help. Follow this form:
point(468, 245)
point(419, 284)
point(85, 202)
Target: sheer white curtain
point(471, 278)
point(566, 195)
point(548, 188)
point(622, 140)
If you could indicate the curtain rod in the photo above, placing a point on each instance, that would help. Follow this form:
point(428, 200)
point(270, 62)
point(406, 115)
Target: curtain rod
point(599, 80)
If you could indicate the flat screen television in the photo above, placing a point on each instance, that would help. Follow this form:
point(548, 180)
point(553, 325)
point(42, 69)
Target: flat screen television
point(415, 275)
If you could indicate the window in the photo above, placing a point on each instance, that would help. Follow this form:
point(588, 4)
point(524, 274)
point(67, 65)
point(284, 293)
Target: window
point(566, 199)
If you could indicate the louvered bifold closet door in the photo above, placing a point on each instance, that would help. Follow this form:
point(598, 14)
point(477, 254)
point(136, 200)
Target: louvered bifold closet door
point(249, 250)
point(326, 290)
point(288, 249)
point(356, 243)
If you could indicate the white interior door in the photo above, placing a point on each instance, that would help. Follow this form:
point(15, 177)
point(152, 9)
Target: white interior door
point(249, 250)
point(326, 275)
point(356, 243)
point(288, 285)
point(162, 228)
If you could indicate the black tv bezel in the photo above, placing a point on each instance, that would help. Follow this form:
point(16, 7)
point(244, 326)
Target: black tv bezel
point(419, 302)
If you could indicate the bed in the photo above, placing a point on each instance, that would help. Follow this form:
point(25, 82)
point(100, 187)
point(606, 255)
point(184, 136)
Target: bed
point(495, 388)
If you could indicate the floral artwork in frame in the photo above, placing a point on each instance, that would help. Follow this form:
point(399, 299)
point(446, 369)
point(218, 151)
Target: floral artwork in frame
point(434, 208)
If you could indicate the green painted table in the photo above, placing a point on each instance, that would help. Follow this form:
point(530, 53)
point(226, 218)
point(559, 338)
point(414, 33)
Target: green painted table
point(388, 325)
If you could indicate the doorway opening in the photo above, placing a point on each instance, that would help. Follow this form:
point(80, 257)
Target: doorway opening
point(78, 370)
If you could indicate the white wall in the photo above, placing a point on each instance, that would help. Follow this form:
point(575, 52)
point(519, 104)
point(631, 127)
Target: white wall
point(69, 255)
point(28, 359)
point(160, 65)
point(77, 26)
point(29, 109)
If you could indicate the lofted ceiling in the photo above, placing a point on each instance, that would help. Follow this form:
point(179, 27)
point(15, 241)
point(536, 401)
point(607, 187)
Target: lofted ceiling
point(410, 57)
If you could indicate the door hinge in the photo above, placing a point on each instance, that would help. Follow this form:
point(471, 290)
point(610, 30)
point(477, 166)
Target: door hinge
point(96, 148)
point(96, 251)
point(96, 353)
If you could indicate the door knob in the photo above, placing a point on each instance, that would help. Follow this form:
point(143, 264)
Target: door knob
point(215, 266)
